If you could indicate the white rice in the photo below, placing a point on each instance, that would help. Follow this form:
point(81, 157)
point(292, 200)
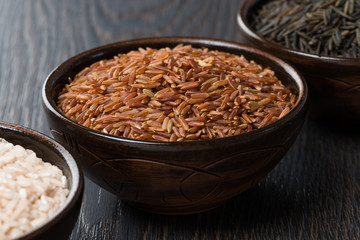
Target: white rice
point(30, 190)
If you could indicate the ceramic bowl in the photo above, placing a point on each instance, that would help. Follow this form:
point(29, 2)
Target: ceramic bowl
point(61, 224)
point(334, 82)
point(175, 177)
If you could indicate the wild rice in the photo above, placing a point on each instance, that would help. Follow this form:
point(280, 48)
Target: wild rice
point(328, 27)
point(30, 190)
point(177, 94)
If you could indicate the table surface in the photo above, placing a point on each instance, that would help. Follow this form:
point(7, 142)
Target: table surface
point(313, 193)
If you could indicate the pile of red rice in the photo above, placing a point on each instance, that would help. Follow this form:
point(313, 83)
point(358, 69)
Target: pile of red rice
point(177, 94)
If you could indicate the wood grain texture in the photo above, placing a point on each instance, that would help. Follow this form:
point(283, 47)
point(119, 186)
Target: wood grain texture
point(314, 193)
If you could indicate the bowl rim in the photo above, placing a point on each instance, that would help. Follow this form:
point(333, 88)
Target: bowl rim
point(242, 21)
point(296, 77)
point(77, 182)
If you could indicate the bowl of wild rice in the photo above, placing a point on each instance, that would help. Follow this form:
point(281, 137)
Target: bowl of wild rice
point(175, 125)
point(322, 40)
point(41, 186)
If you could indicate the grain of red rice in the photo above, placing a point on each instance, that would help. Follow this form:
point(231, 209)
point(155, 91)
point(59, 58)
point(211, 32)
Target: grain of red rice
point(177, 94)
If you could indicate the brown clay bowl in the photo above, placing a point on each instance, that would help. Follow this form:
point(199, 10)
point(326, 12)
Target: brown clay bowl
point(61, 224)
point(334, 82)
point(175, 177)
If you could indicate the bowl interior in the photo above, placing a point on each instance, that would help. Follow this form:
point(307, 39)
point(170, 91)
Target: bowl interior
point(60, 76)
point(245, 18)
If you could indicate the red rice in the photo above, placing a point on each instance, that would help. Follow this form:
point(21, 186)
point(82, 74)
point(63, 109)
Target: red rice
point(175, 94)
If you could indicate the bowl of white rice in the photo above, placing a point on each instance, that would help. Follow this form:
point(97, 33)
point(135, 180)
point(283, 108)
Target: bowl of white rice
point(41, 186)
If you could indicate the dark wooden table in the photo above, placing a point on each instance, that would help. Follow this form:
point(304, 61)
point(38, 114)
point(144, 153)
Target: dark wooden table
point(314, 193)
